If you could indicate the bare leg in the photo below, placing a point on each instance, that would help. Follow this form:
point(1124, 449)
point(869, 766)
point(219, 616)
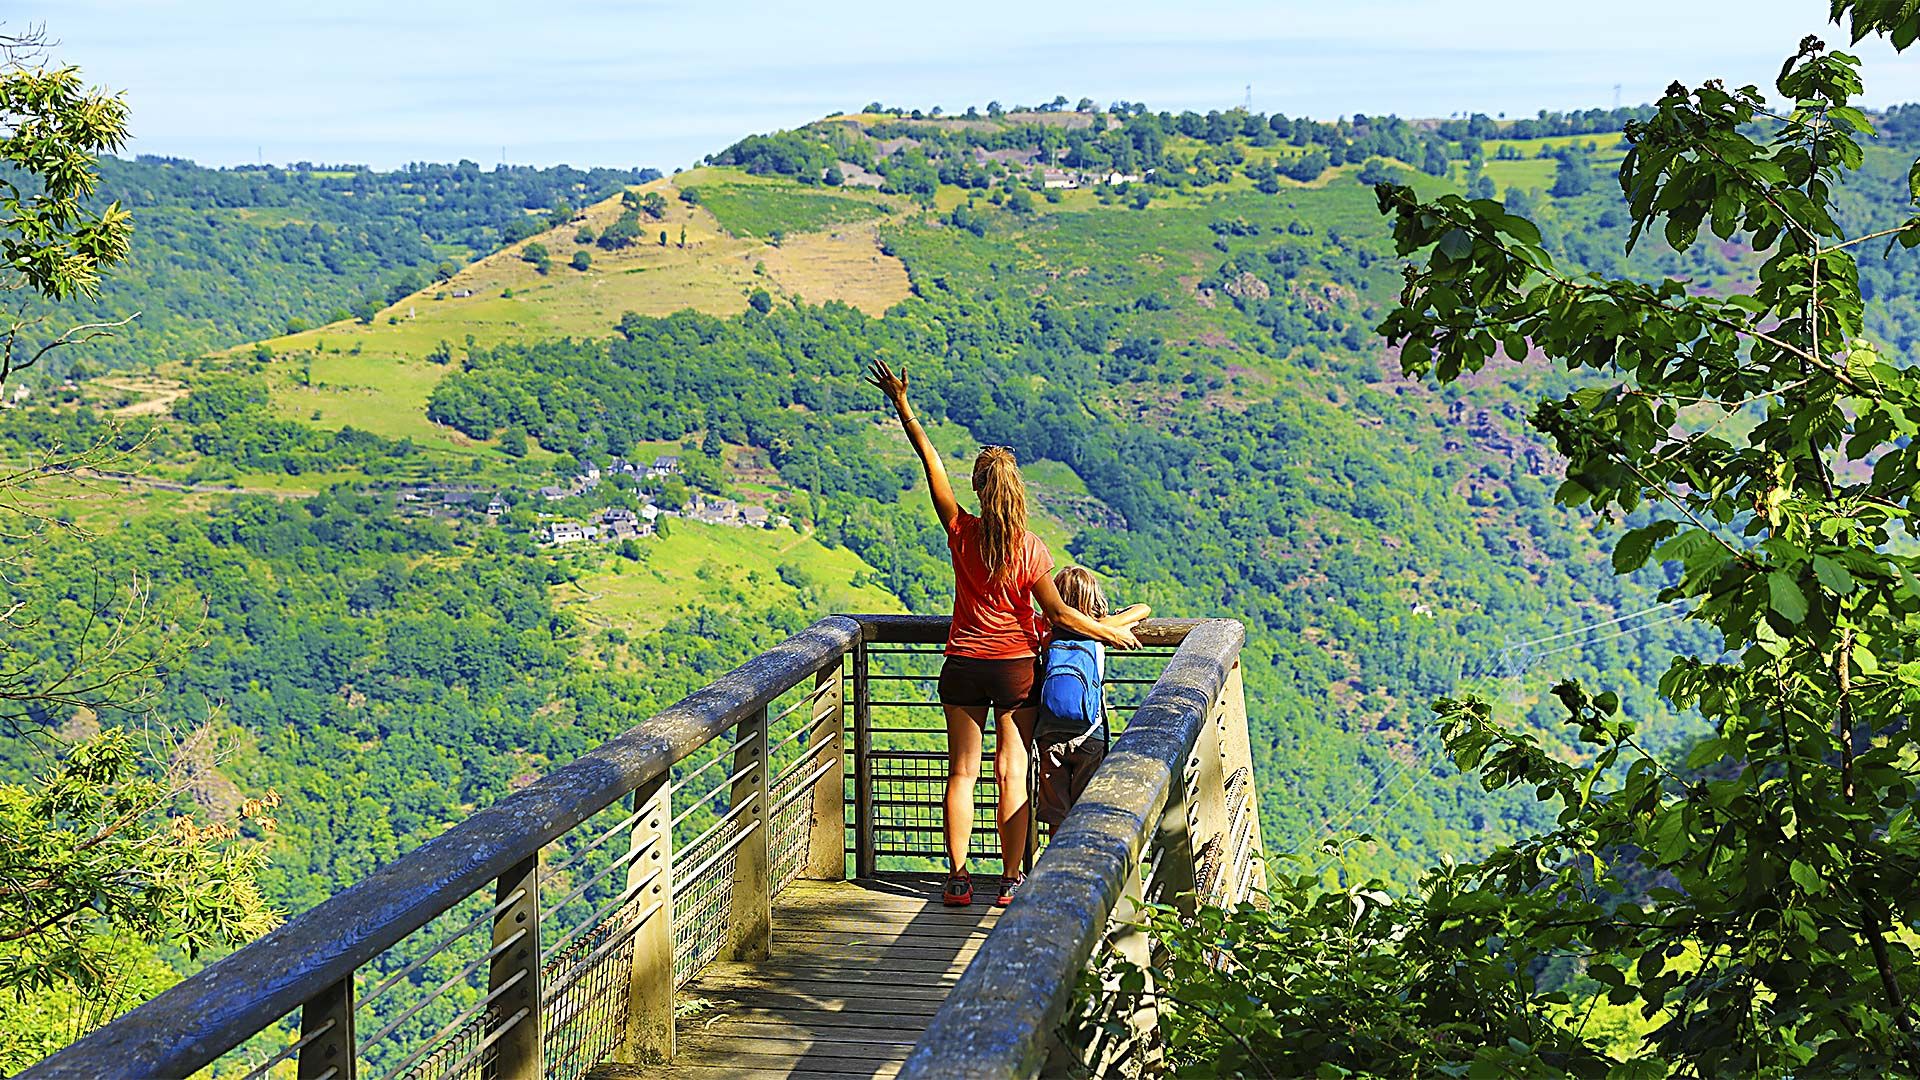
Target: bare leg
point(965, 726)
point(1013, 733)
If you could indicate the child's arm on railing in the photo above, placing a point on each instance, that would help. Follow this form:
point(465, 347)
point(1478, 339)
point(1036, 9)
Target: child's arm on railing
point(1062, 614)
point(895, 387)
point(1128, 617)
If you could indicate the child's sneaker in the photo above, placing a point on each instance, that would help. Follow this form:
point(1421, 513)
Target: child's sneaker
point(1008, 886)
point(959, 890)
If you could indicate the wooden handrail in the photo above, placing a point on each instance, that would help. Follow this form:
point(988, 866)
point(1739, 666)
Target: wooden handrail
point(308, 966)
point(998, 1019)
point(209, 1013)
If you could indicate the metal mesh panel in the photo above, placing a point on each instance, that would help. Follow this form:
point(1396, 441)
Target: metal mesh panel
point(702, 906)
point(909, 787)
point(456, 1056)
point(792, 828)
point(587, 991)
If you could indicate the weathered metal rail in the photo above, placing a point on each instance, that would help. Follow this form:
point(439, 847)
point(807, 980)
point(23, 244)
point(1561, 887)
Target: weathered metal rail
point(1170, 816)
point(551, 932)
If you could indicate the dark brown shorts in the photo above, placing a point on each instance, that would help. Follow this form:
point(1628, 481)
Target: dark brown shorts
point(1002, 684)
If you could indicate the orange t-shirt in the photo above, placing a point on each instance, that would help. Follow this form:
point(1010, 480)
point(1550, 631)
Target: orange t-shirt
point(994, 620)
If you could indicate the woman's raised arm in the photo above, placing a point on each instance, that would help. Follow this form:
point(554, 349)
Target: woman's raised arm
point(895, 387)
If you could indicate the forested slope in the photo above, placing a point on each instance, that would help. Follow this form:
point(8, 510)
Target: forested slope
point(222, 256)
point(1187, 359)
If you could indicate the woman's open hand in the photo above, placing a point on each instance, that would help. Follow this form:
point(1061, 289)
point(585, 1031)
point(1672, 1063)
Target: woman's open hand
point(894, 386)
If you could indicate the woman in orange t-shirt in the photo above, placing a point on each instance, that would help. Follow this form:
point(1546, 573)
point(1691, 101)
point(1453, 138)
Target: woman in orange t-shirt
point(1000, 572)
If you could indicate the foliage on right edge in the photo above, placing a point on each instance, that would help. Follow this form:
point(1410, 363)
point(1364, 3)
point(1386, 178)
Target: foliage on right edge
point(1754, 904)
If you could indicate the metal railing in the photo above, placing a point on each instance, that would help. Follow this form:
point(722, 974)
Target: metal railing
point(1170, 816)
point(551, 932)
point(899, 730)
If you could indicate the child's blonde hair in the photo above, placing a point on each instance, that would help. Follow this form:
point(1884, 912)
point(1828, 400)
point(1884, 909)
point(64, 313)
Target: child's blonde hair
point(1081, 591)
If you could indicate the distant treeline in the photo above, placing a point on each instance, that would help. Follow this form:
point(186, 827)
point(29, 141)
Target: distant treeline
point(227, 255)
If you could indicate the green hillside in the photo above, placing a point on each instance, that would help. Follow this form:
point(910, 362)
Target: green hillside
point(1185, 362)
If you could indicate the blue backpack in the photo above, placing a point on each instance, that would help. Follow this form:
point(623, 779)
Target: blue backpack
point(1072, 701)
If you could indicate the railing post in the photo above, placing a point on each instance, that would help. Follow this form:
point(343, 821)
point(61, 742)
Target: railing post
point(650, 987)
point(1207, 808)
point(330, 1054)
point(1176, 868)
point(1250, 863)
point(517, 1022)
point(863, 854)
point(827, 842)
point(750, 927)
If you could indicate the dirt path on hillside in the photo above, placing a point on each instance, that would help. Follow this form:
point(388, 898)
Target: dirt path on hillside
point(164, 393)
point(186, 488)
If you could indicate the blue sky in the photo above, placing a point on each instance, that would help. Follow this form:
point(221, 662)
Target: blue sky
point(600, 82)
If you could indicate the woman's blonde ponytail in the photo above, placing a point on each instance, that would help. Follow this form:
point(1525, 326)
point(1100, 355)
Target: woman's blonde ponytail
point(1003, 509)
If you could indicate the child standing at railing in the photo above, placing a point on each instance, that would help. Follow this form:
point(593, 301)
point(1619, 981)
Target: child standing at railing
point(1071, 734)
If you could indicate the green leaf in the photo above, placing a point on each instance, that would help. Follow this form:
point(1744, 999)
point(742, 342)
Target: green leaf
point(1631, 552)
point(1521, 229)
point(1455, 244)
point(1785, 597)
point(1806, 877)
point(1833, 575)
point(1706, 751)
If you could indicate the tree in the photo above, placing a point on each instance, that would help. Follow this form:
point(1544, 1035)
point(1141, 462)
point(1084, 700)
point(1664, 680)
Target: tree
point(513, 442)
point(834, 177)
point(623, 233)
point(1376, 171)
point(100, 848)
point(51, 241)
point(760, 301)
point(1573, 176)
point(1746, 900)
point(1435, 161)
point(1788, 833)
point(581, 260)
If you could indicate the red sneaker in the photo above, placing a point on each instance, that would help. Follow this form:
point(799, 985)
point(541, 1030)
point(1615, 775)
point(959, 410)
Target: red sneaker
point(1009, 886)
point(959, 890)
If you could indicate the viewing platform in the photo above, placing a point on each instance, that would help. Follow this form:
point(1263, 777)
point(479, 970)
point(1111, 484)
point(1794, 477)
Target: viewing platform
point(744, 885)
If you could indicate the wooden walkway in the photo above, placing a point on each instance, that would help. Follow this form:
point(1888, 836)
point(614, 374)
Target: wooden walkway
point(857, 970)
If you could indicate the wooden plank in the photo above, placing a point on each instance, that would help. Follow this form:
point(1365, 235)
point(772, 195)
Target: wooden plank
point(782, 1009)
point(906, 973)
point(763, 1026)
point(874, 934)
point(881, 952)
point(800, 1064)
point(733, 1072)
point(841, 1000)
point(707, 1046)
point(826, 928)
point(815, 986)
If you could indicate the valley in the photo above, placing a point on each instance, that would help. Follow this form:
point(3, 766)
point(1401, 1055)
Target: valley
point(1186, 367)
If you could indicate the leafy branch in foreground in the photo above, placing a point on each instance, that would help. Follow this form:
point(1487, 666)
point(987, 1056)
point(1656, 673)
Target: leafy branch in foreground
point(1777, 939)
point(102, 848)
point(1753, 905)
